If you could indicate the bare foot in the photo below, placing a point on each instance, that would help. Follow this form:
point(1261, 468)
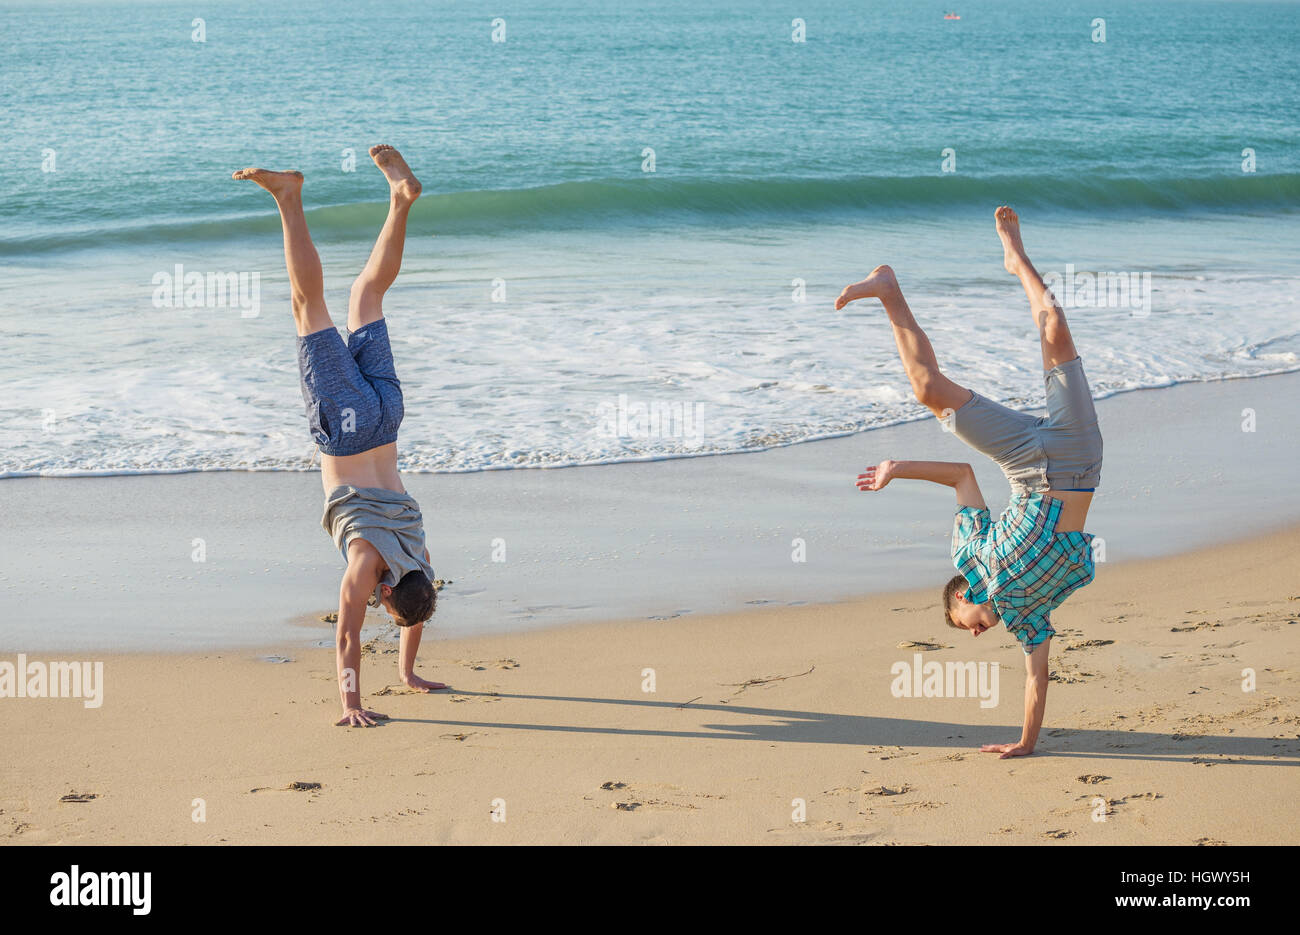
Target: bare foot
point(278, 184)
point(422, 685)
point(406, 187)
point(1007, 223)
point(880, 282)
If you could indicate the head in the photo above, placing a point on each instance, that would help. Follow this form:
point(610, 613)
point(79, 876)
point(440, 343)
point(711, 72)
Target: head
point(963, 614)
point(412, 601)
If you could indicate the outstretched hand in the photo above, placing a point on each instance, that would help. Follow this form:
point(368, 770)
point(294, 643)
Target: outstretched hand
point(876, 477)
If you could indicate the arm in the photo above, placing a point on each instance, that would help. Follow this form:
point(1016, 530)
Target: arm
point(1035, 705)
point(406, 661)
point(358, 582)
point(410, 645)
point(955, 474)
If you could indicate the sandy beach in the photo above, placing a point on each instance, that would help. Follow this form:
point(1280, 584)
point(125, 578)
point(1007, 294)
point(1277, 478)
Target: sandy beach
point(1148, 726)
point(597, 694)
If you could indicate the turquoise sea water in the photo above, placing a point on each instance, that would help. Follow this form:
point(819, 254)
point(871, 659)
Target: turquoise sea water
point(552, 280)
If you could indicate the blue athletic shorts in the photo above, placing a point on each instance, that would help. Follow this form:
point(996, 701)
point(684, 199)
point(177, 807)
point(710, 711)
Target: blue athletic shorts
point(353, 397)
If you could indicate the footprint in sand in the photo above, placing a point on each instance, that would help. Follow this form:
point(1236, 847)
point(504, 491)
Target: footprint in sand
point(887, 751)
point(490, 696)
point(674, 798)
point(478, 666)
point(920, 806)
point(1087, 644)
point(295, 786)
point(1202, 761)
point(922, 645)
point(889, 790)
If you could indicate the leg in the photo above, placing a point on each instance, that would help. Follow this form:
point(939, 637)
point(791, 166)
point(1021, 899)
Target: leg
point(1053, 331)
point(300, 257)
point(365, 304)
point(933, 390)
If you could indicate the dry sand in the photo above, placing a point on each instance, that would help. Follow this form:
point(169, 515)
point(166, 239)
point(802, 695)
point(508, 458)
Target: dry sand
point(1147, 726)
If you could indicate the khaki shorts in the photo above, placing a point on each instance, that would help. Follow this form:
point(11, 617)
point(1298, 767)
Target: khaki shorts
point(1058, 451)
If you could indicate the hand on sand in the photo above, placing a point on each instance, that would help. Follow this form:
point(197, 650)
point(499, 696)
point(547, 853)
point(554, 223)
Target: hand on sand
point(1007, 749)
point(420, 685)
point(359, 717)
point(876, 477)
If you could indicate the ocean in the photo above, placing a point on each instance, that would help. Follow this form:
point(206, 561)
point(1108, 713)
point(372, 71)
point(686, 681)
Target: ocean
point(636, 217)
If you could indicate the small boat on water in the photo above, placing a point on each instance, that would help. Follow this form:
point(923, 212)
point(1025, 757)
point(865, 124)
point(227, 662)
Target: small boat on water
point(951, 16)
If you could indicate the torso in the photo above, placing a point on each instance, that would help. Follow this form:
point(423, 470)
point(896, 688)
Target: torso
point(374, 468)
point(1074, 509)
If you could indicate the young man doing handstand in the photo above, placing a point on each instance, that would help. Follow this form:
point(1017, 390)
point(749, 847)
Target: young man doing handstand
point(354, 407)
point(1020, 568)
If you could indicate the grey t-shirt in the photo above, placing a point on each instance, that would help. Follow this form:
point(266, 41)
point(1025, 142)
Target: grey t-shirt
point(387, 519)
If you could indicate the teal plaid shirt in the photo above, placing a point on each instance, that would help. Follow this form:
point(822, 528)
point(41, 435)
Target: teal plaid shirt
point(1021, 563)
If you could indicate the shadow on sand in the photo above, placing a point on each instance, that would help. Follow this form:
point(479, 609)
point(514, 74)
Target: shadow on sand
point(773, 725)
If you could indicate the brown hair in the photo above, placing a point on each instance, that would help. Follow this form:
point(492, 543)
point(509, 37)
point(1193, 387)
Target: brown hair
point(950, 591)
point(414, 599)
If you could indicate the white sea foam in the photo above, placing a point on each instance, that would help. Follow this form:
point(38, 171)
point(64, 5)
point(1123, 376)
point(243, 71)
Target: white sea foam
point(101, 382)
